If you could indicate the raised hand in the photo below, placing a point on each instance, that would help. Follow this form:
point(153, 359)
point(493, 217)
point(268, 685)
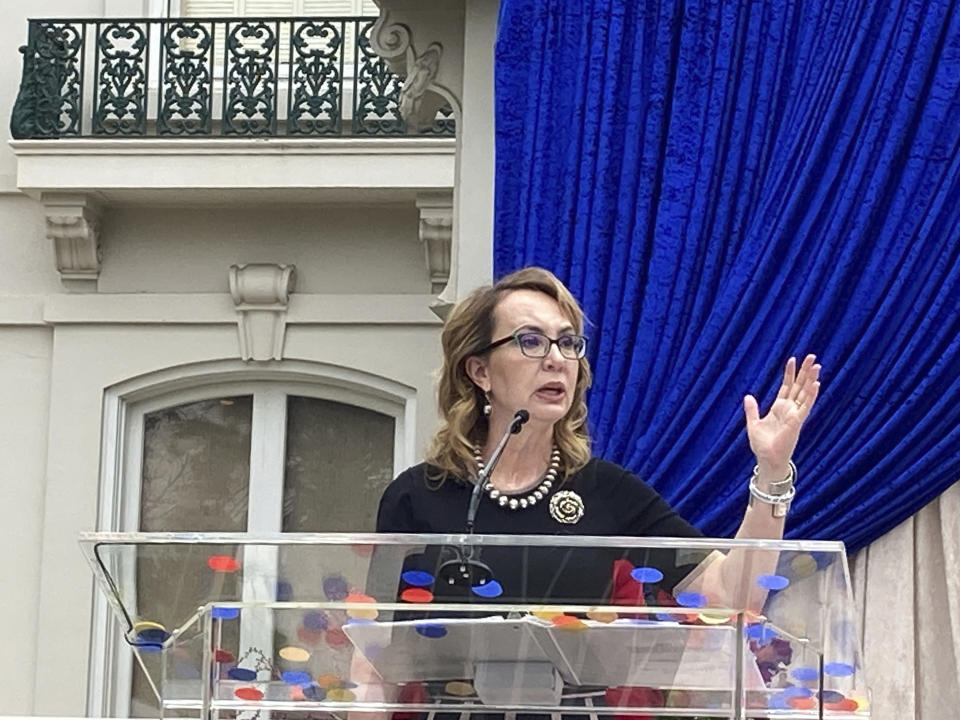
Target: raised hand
point(774, 436)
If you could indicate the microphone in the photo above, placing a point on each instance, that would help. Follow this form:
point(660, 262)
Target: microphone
point(519, 418)
point(464, 569)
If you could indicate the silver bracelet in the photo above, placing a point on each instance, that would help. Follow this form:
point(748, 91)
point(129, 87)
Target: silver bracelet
point(779, 502)
point(780, 486)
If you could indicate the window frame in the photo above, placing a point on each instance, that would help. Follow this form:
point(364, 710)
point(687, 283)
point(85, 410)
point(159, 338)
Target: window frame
point(125, 405)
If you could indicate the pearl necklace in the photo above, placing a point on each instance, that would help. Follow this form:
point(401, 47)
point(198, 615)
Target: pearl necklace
point(516, 502)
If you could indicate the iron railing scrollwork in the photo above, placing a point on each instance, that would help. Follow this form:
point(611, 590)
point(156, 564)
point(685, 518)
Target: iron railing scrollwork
point(51, 87)
point(208, 77)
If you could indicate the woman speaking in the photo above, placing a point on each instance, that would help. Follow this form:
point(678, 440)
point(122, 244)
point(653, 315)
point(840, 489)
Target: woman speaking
point(517, 351)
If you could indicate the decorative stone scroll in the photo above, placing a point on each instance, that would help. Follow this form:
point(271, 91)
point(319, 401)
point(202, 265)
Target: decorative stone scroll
point(73, 224)
point(261, 293)
point(436, 235)
point(422, 94)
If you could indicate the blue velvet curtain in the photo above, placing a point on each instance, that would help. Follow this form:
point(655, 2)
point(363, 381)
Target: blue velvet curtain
point(724, 185)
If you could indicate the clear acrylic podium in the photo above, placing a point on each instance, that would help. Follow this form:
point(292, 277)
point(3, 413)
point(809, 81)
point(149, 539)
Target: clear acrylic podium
point(434, 626)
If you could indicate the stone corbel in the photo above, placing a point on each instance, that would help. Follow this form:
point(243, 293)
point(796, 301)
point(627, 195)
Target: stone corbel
point(261, 293)
point(425, 88)
point(436, 235)
point(73, 224)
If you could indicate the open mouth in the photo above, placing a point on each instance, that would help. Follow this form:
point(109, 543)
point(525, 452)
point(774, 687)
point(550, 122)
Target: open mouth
point(551, 391)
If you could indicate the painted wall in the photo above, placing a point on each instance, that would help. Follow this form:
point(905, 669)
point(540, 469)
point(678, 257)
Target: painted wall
point(177, 249)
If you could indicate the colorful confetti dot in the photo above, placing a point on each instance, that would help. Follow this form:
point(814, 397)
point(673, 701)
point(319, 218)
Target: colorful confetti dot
point(416, 595)
point(147, 625)
point(248, 693)
point(316, 621)
point(336, 638)
point(763, 634)
point(713, 618)
point(223, 656)
point(359, 613)
point(838, 669)
point(418, 578)
point(242, 674)
point(458, 688)
point(341, 695)
point(296, 677)
point(805, 674)
point(284, 591)
point(646, 575)
point(328, 681)
point(803, 565)
point(489, 589)
point(691, 599)
point(845, 705)
point(772, 582)
point(152, 636)
point(293, 653)
point(569, 622)
point(224, 613)
point(335, 588)
point(778, 702)
point(222, 563)
point(602, 616)
point(314, 692)
point(431, 630)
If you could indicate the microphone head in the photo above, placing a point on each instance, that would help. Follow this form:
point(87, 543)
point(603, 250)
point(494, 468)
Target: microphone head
point(519, 418)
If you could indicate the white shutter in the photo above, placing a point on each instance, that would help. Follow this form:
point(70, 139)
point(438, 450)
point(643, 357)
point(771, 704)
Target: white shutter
point(369, 8)
point(258, 8)
point(329, 8)
point(208, 8)
point(336, 8)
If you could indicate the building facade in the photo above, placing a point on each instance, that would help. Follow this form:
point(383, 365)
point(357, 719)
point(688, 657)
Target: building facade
point(220, 304)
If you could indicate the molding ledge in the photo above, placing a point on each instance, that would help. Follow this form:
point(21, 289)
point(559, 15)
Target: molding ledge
point(185, 309)
point(154, 171)
point(261, 293)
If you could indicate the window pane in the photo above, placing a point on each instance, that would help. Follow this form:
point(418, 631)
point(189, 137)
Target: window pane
point(196, 467)
point(196, 475)
point(339, 460)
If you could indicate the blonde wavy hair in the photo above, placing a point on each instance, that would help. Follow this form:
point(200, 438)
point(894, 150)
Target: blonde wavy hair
point(467, 331)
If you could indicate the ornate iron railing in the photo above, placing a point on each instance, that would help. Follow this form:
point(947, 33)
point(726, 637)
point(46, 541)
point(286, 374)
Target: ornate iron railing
point(206, 77)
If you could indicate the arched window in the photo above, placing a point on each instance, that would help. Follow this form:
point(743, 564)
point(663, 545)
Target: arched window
point(306, 449)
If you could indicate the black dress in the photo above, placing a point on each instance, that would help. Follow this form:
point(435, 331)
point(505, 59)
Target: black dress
point(616, 502)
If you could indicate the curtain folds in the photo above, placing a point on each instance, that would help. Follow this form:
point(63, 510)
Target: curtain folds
point(908, 592)
point(723, 185)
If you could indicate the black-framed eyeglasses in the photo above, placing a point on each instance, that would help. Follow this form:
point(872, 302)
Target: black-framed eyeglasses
point(537, 345)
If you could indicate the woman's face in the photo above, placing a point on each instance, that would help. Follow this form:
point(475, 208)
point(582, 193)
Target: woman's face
point(542, 386)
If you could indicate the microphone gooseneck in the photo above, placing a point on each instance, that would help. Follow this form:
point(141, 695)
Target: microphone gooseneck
point(465, 570)
point(519, 418)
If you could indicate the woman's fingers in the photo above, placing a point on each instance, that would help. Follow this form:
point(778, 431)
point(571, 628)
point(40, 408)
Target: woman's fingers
point(789, 376)
point(751, 409)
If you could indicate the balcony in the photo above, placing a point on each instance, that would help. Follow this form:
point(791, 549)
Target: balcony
point(222, 111)
point(210, 77)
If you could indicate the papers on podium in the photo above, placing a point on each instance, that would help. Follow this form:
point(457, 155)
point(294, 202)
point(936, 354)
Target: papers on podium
point(624, 652)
